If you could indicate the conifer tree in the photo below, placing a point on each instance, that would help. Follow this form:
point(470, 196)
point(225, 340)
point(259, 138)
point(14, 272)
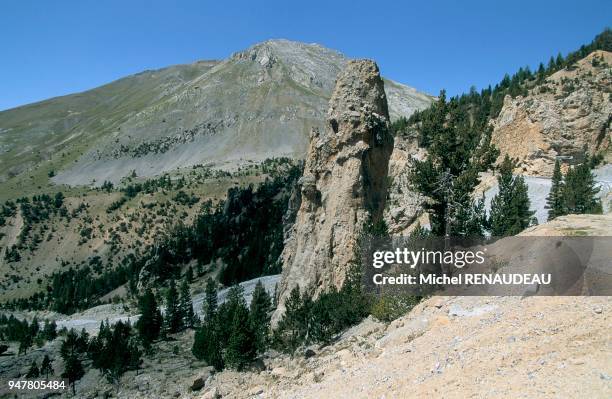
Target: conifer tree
point(240, 349)
point(459, 149)
point(551, 65)
point(261, 306)
point(46, 367)
point(33, 372)
point(73, 371)
point(25, 342)
point(50, 330)
point(580, 191)
point(34, 327)
point(74, 345)
point(554, 201)
point(150, 321)
point(210, 300)
point(470, 219)
point(189, 274)
point(275, 296)
point(510, 212)
point(291, 330)
point(186, 306)
point(206, 343)
point(225, 313)
point(134, 356)
point(173, 317)
point(115, 351)
point(541, 73)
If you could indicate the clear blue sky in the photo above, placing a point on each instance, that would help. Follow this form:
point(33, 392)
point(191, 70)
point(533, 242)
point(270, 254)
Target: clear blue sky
point(51, 48)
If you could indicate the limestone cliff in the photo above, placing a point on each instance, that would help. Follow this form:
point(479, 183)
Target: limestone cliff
point(571, 110)
point(344, 183)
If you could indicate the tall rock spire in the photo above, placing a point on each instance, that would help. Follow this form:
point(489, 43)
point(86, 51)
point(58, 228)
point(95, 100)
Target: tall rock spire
point(344, 184)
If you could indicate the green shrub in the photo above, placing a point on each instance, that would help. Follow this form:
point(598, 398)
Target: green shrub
point(390, 307)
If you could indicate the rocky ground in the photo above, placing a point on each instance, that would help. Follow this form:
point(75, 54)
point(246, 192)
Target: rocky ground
point(454, 347)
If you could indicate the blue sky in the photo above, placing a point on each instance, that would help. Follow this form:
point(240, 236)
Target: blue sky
point(51, 48)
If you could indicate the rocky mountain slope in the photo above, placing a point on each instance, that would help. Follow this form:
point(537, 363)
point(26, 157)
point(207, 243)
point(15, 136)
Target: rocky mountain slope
point(560, 117)
point(257, 104)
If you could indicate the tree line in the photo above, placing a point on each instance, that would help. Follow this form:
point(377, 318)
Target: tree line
point(27, 334)
point(486, 104)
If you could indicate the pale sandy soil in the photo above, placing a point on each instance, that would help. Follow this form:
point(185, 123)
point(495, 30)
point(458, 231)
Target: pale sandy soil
point(469, 347)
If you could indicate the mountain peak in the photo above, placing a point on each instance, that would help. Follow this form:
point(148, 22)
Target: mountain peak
point(259, 103)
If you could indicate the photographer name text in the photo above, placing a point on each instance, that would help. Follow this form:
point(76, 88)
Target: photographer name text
point(463, 279)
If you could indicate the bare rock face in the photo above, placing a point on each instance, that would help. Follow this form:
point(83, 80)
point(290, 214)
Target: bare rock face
point(403, 209)
point(570, 111)
point(344, 184)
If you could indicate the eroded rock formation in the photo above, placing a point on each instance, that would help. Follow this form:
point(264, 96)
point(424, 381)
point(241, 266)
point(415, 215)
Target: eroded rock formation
point(569, 112)
point(344, 184)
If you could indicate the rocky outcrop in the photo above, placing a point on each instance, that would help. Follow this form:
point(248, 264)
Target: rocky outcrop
point(404, 208)
point(570, 111)
point(344, 184)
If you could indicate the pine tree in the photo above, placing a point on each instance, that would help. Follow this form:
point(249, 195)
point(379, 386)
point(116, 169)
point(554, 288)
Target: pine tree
point(173, 316)
point(207, 347)
point(541, 73)
point(74, 345)
point(50, 330)
point(291, 330)
point(33, 372)
point(135, 356)
point(551, 65)
point(73, 371)
point(115, 351)
point(46, 367)
point(24, 343)
point(206, 343)
point(225, 313)
point(210, 300)
point(510, 212)
point(559, 61)
point(150, 321)
point(189, 274)
point(240, 349)
point(459, 149)
point(554, 201)
point(470, 219)
point(186, 306)
point(34, 327)
point(580, 190)
point(261, 306)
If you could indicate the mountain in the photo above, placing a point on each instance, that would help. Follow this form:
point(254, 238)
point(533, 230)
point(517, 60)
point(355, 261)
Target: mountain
point(257, 104)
